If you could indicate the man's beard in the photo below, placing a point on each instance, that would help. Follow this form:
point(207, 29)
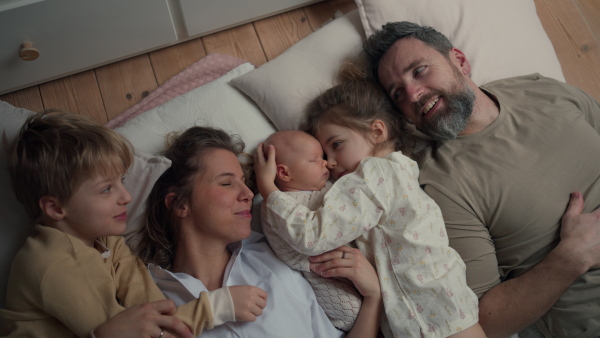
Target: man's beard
point(446, 124)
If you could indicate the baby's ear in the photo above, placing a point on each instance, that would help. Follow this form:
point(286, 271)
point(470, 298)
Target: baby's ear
point(52, 207)
point(379, 131)
point(283, 173)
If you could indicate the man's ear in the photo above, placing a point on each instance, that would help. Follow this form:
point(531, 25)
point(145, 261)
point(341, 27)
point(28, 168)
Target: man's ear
point(52, 207)
point(460, 60)
point(283, 173)
point(182, 210)
point(379, 131)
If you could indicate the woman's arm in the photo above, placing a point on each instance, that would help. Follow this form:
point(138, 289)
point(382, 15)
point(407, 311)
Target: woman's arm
point(350, 263)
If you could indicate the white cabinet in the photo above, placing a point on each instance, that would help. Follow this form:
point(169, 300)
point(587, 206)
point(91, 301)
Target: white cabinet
point(206, 16)
point(75, 35)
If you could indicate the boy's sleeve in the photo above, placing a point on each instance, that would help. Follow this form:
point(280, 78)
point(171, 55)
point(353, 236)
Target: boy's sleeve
point(354, 205)
point(197, 314)
point(133, 280)
point(222, 306)
point(136, 286)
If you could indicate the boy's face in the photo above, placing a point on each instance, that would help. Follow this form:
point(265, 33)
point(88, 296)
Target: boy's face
point(97, 208)
point(308, 169)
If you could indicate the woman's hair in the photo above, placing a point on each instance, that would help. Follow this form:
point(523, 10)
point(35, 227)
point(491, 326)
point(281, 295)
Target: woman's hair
point(55, 151)
point(187, 152)
point(356, 103)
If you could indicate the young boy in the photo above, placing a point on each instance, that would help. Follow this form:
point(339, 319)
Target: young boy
point(77, 272)
point(302, 173)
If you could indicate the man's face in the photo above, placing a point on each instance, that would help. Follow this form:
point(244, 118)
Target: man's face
point(430, 90)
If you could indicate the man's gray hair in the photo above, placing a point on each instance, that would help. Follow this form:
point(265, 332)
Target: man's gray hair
point(380, 42)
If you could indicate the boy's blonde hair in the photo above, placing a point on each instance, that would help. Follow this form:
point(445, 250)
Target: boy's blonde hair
point(55, 151)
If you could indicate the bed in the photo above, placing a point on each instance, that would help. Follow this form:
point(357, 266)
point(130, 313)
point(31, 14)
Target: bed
point(500, 38)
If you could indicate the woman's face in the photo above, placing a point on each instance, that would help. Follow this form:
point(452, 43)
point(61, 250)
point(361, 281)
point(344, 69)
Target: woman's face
point(220, 203)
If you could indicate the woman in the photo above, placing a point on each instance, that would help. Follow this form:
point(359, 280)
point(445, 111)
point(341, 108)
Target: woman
point(198, 220)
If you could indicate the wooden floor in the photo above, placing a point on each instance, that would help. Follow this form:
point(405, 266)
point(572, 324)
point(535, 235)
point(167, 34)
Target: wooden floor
point(104, 92)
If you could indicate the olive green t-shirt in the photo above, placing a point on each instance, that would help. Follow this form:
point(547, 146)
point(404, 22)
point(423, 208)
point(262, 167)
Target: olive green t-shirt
point(504, 190)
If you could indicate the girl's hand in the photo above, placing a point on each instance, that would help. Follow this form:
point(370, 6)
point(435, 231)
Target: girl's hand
point(265, 170)
point(349, 263)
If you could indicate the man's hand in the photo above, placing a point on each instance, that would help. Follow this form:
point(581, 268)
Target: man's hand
point(580, 235)
point(502, 311)
point(248, 302)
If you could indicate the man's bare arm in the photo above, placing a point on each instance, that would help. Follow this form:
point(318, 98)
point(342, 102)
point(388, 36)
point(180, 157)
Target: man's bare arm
point(517, 303)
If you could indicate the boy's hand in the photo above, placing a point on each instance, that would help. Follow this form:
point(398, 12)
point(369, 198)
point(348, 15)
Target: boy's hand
point(265, 170)
point(248, 302)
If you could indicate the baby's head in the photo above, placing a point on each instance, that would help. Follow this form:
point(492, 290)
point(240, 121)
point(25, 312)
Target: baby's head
point(55, 154)
point(299, 159)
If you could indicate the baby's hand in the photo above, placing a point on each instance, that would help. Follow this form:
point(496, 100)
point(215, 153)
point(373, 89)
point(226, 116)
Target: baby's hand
point(265, 170)
point(248, 302)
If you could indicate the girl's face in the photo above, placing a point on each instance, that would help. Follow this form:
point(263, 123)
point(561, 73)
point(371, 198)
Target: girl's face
point(344, 148)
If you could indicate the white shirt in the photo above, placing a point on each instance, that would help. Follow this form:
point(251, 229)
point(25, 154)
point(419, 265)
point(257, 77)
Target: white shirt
point(292, 309)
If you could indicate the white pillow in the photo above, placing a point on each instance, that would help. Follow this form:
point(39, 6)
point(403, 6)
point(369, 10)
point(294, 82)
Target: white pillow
point(284, 86)
point(500, 38)
point(16, 225)
point(215, 104)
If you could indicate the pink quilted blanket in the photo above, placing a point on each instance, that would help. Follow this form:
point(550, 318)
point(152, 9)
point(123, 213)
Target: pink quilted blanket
point(209, 68)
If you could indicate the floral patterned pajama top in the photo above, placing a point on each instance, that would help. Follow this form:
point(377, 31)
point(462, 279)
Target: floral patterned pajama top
point(400, 230)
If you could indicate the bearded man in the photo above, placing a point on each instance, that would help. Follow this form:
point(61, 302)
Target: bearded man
point(503, 161)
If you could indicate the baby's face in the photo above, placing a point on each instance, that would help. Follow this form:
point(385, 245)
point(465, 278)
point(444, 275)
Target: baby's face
point(309, 169)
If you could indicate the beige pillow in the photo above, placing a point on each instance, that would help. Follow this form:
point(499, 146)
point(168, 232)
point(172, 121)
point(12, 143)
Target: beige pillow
point(500, 38)
point(285, 85)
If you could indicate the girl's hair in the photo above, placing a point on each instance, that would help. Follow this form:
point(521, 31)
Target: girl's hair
point(55, 151)
point(188, 154)
point(356, 103)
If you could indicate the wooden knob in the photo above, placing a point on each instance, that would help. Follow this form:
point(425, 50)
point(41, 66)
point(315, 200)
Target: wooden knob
point(28, 52)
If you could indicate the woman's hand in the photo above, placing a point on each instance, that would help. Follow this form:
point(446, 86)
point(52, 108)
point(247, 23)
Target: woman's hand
point(147, 320)
point(349, 263)
point(248, 302)
point(265, 170)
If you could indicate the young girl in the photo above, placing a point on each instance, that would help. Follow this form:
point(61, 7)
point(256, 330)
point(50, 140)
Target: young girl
point(377, 201)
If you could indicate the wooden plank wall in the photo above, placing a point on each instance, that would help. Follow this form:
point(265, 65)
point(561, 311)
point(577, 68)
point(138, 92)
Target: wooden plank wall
point(104, 92)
